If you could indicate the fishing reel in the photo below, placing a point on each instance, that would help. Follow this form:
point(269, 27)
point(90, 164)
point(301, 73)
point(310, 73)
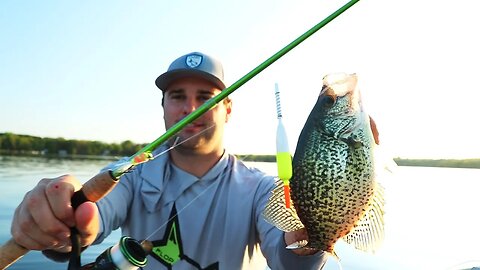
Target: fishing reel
point(127, 254)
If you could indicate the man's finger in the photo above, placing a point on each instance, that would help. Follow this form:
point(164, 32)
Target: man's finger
point(59, 194)
point(87, 222)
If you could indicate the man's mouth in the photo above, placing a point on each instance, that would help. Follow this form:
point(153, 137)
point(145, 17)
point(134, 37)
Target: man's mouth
point(194, 127)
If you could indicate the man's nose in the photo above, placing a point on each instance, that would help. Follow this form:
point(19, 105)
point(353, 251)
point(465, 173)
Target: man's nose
point(189, 106)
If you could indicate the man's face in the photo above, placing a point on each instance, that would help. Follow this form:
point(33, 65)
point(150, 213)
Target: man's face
point(185, 95)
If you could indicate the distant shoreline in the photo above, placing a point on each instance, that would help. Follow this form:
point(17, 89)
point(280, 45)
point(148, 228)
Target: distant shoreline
point(473, 163)
point(470, 163)
point(6, 153)
point(26, 145)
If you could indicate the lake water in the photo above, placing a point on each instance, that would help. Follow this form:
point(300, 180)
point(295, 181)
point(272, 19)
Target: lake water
point(432, 215)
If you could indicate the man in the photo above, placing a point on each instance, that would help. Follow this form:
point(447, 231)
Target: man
point(200, 206)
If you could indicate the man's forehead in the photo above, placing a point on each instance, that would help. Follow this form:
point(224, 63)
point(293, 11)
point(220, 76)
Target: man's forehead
point(192, 80)
point(196, 90)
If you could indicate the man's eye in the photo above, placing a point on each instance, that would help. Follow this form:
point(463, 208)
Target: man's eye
point(177, 97)
point(204, 98)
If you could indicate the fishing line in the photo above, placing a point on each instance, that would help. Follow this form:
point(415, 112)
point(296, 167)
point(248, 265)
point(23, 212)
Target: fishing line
point(196, 197)
point(339, 264)
point(183, 208)
point(170, 148)
point(175, 143)
point(179, 211)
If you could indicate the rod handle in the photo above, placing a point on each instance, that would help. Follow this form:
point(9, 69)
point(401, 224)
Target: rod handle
point(94, 189)
point(10, 252)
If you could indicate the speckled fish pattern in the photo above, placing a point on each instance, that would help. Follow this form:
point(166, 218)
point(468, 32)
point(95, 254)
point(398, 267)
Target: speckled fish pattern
point(333, 188)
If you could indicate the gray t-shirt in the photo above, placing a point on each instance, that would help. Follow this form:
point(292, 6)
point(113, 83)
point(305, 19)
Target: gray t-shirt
point(212, 222)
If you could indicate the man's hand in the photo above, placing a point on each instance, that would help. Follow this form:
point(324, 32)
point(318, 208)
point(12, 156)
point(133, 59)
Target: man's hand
point(44, 217)
point(295, 236)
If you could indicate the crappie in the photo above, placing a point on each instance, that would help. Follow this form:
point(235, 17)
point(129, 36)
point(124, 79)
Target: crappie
point(333, 188)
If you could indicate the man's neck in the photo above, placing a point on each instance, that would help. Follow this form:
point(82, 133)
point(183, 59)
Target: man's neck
point(195, 163)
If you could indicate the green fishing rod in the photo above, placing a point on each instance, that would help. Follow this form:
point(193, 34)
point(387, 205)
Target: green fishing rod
point(101, 184)
point(227, 91)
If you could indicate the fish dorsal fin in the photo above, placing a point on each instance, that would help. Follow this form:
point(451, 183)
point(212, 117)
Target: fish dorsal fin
point(369, 232)
point(277, 214)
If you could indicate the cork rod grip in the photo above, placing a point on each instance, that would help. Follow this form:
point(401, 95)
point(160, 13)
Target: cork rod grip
point(10, 252)
point(93, 190)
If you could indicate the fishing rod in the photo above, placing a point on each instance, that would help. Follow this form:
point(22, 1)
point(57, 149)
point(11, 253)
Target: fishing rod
point(101, 184)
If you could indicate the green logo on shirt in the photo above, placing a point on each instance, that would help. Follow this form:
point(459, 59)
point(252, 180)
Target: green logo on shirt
point(169, 250)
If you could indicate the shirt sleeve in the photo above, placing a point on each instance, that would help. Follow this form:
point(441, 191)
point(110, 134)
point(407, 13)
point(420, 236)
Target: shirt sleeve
point(272, 241)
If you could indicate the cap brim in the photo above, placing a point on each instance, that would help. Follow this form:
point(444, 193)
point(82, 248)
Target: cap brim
point(164, 80)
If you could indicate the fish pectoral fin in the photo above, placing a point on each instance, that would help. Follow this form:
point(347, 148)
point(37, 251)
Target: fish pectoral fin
point(277, 214)
point(369, 232)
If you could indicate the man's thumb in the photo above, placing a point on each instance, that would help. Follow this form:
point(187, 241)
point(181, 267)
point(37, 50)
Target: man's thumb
point(87, 222)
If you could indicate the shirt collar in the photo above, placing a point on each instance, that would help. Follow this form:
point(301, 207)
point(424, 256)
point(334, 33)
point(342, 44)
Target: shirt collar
point(163, 182)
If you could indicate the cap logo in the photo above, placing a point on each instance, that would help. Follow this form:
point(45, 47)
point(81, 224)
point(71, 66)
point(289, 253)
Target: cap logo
point(193, 60)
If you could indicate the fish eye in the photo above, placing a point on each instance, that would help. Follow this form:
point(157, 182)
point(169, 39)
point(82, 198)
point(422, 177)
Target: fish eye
point(328, 101)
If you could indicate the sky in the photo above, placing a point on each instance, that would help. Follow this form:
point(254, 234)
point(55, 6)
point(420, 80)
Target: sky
point(86, 70)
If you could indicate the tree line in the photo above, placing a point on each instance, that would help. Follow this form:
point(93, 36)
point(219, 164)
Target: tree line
point(471, 163)
point(11, 143)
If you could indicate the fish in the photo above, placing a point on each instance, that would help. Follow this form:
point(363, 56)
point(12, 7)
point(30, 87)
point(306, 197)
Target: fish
point(334, 191)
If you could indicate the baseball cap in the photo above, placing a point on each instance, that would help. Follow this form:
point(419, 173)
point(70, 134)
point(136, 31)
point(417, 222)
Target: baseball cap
point(193, 64)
